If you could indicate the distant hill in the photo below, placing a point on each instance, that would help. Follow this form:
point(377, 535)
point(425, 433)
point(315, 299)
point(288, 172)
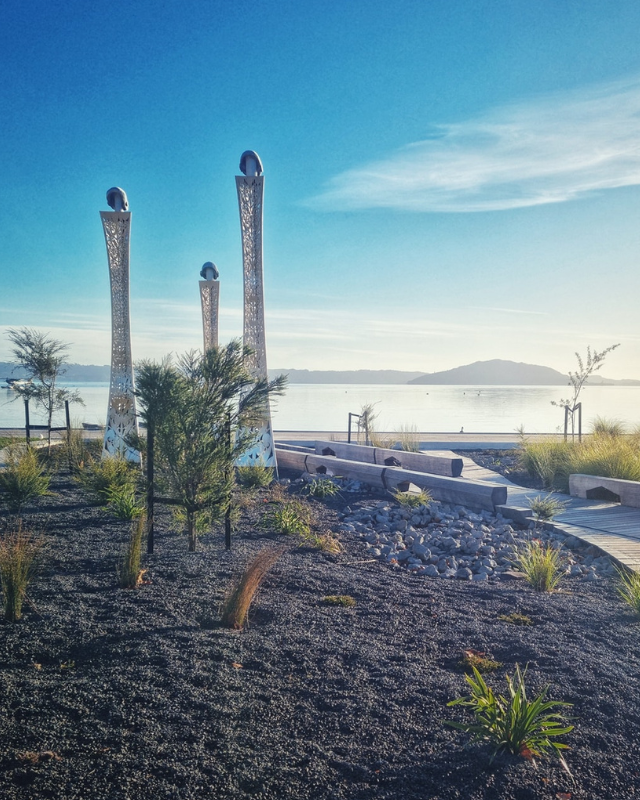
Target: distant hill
point(75, 372)
point(373, 376)
point(498, 372)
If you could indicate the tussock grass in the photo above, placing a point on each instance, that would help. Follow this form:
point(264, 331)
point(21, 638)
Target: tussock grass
point(19, 551)
point(23, 479)
point(542, 564)
point(322, 487)
point(546, 508)
point(99, 477)
point(413, 499)
point(602, 426)
point(128, 569)
point(628, 587)
point(122, 502)
point(235, 609)
point(254, 477)
point(290, 517)
point(408, 438)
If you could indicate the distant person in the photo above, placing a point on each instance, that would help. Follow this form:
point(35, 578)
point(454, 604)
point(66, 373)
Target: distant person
point(461, 430)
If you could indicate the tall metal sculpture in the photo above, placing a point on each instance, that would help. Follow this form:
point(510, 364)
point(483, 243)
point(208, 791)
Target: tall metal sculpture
point(121, 413)
point(250, 187)
point(209, 300)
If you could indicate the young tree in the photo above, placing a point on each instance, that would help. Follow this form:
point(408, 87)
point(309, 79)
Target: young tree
point(577, 380)
point(44, 360)
point(204, 411)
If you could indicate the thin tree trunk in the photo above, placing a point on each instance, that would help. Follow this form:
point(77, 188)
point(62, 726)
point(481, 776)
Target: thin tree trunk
point(150, 486)
point(191, 529)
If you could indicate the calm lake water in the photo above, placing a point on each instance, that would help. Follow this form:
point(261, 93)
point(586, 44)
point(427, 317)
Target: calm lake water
point(432, 409)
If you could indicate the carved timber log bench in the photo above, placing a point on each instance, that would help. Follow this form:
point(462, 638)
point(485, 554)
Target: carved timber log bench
point(418, 462)
point(614, 490)
point(458, 491)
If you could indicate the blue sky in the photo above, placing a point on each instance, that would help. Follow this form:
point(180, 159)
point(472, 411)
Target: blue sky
point(445, 182)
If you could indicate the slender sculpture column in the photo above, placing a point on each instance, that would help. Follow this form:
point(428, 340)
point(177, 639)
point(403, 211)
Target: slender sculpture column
point(250, 187)
point(209, 300)
point(121, 413)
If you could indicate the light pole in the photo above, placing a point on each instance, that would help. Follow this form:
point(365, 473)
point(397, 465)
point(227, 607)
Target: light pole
point(121, 413)
point(250, 188)
point(209, 300)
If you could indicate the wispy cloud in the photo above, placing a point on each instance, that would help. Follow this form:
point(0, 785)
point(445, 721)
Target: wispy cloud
point(549, 150)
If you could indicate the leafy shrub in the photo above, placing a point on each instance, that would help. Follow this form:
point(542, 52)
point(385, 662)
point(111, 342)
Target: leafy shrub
point(513, 723)
point(255, 476)
point(128, 569)
point(236, 607)
point(344, 600)
point(322, 487)
point(542, 564)
point(18, 553)
point(100, 477)
point(23, 478)
point(122, 502)
point(413, 499)
point(628, 588)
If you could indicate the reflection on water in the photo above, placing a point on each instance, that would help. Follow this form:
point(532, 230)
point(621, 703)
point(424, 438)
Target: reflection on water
point(437, 409)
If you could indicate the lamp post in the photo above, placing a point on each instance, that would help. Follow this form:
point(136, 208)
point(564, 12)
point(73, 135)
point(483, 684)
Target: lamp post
point(209, 300)
point(250, 188)
point(121, 413)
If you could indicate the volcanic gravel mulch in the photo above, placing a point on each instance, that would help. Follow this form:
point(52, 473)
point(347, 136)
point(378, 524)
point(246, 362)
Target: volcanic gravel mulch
point(109, 693)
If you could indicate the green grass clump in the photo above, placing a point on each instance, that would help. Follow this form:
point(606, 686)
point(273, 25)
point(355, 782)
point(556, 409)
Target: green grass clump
point(18, 555)
point(235, 609)
point(256, 476)
point(546, 508)
point(549, 461)
point(602, 426)
point(23, 479)
point(413, 499)
point(408, 438)
point(100, 477)
point(322, 487)
point(628, 588)
point(542, 565)
point(122, 502)
point(516, 618)
point(291, 517)
point(343, 600)
point(129, 572)
point(514, 723)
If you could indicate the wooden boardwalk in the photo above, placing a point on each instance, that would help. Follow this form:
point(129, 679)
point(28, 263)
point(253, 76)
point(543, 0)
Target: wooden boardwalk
point(613, 528)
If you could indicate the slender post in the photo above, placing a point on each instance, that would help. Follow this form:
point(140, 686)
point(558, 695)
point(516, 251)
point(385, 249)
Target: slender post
point(150, 487)
point(566, 422)
point(27, 427)
point(227, 516)
point(121, 414)
point(209, 301)
point(250, 188)
point(68, 417)
point(579, 407)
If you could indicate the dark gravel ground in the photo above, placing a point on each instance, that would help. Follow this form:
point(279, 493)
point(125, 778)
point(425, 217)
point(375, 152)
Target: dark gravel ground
point(108, 693)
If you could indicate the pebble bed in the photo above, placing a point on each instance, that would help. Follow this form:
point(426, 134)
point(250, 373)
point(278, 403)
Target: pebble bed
point(443, 541)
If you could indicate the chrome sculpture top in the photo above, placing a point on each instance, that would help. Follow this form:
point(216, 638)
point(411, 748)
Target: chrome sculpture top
point(209, 271)
point(250, 164)
point(117, 199)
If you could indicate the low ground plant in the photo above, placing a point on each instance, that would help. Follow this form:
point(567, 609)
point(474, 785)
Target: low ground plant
point(323, 541)
point(628, 587)
point(290, 517)
point(122, 502)
point(515, 618)
point(344, 600)
point(408, 438)
point(514, 723)
point(542, 564)
point(235, 609)
point(255, 476)
point(19, 551)
point(102, 476)
point(478, 660)
point(128, 569)
point(545, 508)
point(322, 487)
point(413, 499)
point(23, 479)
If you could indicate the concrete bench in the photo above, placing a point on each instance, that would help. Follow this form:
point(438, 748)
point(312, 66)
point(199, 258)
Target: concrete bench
point(418, 462)
point(475, 495)
point(614, 490)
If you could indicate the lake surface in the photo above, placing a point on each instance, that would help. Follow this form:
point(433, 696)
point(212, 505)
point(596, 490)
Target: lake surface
point(431, 409)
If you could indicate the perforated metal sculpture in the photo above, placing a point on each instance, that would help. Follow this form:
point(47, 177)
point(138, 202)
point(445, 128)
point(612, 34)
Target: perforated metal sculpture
point(209, 300)
point(250, 187)
point(121, 413)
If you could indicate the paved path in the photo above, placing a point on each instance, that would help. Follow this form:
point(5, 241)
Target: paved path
point(613, 528)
